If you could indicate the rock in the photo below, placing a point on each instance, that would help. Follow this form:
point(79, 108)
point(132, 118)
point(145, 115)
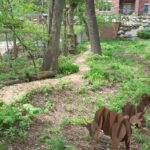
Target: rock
point(122, 36)
point(145, 21)
point(128, 35)
point(121, 32)
point(146, 25)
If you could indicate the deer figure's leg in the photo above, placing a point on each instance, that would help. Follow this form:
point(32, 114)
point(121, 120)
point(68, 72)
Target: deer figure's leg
point(115, 143)
point(127, 143)
point(95, 139)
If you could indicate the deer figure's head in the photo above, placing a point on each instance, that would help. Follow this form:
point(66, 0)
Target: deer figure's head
point(91, 127)
point(137, 120)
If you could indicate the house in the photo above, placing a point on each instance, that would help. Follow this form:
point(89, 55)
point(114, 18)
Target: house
point(126, 7)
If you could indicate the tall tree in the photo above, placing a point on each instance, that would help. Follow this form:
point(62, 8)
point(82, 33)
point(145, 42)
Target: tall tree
point(52, 52)
point(92, 26)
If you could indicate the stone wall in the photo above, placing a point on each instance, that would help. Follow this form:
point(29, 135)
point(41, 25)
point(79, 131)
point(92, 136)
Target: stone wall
point(131, 24)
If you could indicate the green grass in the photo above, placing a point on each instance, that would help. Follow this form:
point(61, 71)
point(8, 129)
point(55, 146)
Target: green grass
point(66, 65)
point(15, 119)
point(115, 69)
point(141, 138)
point(144, 33)
point(55, 143)
point(82, 47)
point(63, 85)
point(75, 120)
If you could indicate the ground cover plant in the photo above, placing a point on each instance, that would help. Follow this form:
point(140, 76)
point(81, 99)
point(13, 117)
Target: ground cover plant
point(121, 66)
point(15, 121)
point(144, 33)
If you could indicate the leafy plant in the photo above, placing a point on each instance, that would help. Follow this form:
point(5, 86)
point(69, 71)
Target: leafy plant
point(82, 47)
point(3, 145)
point(75, 120)
point(32, 110)
point(56, 143)
point(15, 119)
point(144, 33)
point(66, 66)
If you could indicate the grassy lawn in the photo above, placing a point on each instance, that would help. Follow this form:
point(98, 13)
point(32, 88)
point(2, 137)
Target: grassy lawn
point(123, 66)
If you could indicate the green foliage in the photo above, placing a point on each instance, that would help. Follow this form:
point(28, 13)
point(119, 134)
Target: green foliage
point(78, 29)
point(55, 143)
point(66, 66)
point(14, 121)
point(144, 33)
point(3, 145)
point(82, 47)
point(121, 70)
point(95, 76)
point(63, 85)
point(143, 139)
point(31, 109)
point(147, 116)
point(75, 120)
point(5, 76)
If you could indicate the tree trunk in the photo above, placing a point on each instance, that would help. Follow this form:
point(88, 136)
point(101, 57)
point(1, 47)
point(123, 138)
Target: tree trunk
point(86, 28)
point(92, 26)
point(72, 36)
point(47, 52)
point(65, 47)
point(15, 47)
point(50, 61)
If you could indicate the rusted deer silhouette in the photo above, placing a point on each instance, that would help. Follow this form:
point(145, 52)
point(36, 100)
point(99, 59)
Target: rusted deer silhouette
point(114, 125)
point(130, 110)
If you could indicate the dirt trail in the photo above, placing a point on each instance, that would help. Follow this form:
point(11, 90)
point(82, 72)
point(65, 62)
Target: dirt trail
point(10, 94)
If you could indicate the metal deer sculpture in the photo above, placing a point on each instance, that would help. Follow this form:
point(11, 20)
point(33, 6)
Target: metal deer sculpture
point(130, 110)
point(114, 125)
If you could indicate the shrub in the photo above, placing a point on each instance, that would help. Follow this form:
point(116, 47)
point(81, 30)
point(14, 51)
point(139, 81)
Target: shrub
point(82, 47)
point(144, 33)
point(66, 66)
point(14, 121)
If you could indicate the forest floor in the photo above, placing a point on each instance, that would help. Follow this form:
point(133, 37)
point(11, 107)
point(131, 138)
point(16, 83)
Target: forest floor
point(9, 94)
point(73, 100)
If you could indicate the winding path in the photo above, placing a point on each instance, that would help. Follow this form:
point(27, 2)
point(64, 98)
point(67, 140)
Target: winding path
point(9, 94)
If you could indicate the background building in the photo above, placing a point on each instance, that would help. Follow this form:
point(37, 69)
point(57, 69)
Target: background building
point(126, 7)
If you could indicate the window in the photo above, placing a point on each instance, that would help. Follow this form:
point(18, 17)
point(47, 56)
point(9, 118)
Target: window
point(105, 5)
point(127, 8)
point(147, 8)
